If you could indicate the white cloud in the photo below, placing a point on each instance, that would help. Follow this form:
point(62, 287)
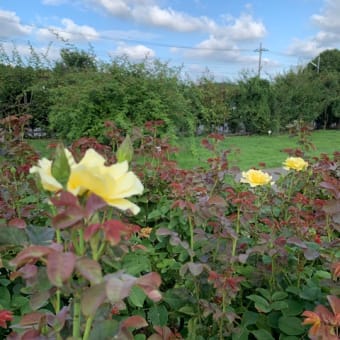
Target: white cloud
point(328, 36)
point(245, 28)
point(135, 52)
point(171, 19)
point(69, 31)
point(226, 43)
point(11, 26)
point(149, 13)
point(328, 20)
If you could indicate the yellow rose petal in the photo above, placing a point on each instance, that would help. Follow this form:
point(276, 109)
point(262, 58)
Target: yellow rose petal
point(295, 163)
point(255, 178)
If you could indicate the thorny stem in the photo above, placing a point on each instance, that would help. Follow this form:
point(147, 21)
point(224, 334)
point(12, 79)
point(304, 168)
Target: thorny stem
point(224, 308)
point(81, 241)
point(191, 238)
point(233, 252)
point(96, 255)
point(88, 327)
point(76, 318)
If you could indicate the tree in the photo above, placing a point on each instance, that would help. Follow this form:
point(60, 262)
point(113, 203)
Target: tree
point(75, 60)
point(252, 103)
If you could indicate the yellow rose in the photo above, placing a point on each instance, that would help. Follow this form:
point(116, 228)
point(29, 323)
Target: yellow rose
point(295, 163)
point(44, 167)
point(255, 178)
point(112, 183)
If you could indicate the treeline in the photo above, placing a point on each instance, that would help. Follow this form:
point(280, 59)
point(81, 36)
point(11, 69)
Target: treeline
point(74, 96)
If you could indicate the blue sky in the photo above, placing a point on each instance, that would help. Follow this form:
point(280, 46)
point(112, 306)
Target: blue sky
point(222, 36)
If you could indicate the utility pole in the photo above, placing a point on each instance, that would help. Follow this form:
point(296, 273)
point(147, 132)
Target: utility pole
point(260, 50)
point(316, 65)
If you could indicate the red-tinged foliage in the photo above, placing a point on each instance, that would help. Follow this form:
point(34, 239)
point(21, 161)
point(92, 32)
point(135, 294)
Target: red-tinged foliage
point(5, 316)
point(114, 231)
point(69, 210)
point(60, 267)
point(17, 223)
point(165, 333)
point(150, 284)
point(31, 255)
point(92, 298)
point(90, 270)
point(336, 269)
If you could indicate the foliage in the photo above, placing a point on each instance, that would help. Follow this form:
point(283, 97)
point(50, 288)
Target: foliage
point(233, 261)
point(80, 88)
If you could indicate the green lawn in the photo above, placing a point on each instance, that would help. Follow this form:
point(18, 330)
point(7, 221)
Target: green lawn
point(255, 149)
point(251, 149)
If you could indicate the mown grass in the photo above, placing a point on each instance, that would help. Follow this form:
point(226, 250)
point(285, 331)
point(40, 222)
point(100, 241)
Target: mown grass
point(249, 151)
point(246, 151)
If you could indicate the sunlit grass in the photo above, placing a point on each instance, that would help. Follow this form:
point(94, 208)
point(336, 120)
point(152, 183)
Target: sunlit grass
point(249, 151)
point(246, 151)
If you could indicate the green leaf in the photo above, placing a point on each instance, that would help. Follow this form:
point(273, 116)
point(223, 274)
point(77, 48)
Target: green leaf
point(310, 293)
point(60, 167)
point(291, 325)
point(125, 150)
point(264, 292)
point(136, 263)
point(262, 334)
point(242, 335)
point(249, 318)
point(279, 305)
point(5, 298)
point(40, 235)
point(12, 236)
point(176, 297)
point(137, 296)
point(279, 296)
point(104, 330)
point(158, 315)
point(321, 274)
point(273, 319)
point(261, 304)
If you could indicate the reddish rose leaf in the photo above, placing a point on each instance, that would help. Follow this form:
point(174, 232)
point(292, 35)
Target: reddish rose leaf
point(135, 322)
point(65, 220)
point(65, 199)
point(332, 207)
point(40, 299)
point(17, 223)
point(113, 230)
point(92, 299)
point(5, 315)
point(89, 269)
point(60, 267)
point(33, 334)
point(28, 271)
point(91, 230)
point(93, 204)
point(118, 287)
point(334, 302)
point(150, 283)
point(30, 255)
point(31, 319)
